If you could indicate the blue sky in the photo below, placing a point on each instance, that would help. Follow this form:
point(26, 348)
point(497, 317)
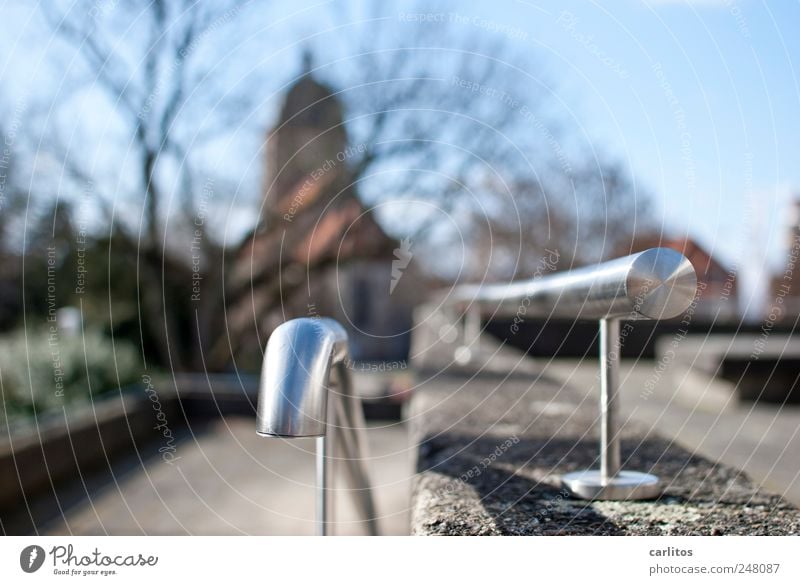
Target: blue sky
point(699, 98)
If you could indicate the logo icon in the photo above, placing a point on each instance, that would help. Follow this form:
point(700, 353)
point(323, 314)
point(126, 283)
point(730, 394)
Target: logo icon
point(31, 558)
point(402, 257)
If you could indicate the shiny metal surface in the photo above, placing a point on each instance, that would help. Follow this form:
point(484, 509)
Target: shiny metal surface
point(610, 455)
point(625, 485)
point(349, 432)
point(324, 511)
point(293, 397)
point(299, 397)
point(658, 283)
point(610, 482)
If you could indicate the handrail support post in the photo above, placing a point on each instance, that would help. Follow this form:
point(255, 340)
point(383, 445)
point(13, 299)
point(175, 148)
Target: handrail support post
point(323, 487)
point(610, 482)
point(610, 453)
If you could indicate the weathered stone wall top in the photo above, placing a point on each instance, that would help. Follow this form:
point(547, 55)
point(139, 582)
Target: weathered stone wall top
point(492, 450)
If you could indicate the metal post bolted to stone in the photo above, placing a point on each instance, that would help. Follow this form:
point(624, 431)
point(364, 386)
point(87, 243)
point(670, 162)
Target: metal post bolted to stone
point(658, 283)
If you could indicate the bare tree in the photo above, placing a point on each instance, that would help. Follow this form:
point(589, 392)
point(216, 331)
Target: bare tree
point(437, 102)
point(581, 216)
point(10, 204)
point(441, 113)
point(148, 81)
point(453, 120)
point(460, 118)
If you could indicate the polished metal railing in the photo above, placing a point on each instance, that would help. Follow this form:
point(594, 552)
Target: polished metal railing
point(299, 397)
point(659, 283)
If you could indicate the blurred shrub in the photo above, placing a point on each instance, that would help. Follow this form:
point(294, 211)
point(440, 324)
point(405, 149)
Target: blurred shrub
point(40, 371)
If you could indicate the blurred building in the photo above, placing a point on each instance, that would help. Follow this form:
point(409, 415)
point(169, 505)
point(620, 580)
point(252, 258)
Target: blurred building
point(317, 250)
point(785, 285)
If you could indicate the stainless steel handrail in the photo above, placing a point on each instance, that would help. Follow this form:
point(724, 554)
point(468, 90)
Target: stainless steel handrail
point(296, 399)
point(658, 283)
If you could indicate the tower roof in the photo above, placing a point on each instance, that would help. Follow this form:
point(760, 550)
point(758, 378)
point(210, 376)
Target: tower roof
point(310, 102)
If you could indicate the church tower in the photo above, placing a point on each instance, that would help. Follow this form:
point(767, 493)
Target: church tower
point(307, 142)
point(317, 249)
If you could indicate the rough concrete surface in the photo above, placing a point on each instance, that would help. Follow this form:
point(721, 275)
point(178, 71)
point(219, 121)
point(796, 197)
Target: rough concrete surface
point(492, 450)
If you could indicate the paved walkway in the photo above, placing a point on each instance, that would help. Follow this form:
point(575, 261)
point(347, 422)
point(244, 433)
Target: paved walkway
point(230, 481)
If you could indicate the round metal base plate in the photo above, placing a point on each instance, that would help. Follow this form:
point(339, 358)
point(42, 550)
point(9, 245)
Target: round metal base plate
point(626, 485)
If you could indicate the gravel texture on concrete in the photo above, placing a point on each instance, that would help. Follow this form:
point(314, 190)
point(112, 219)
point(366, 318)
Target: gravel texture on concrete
point(492, 449)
